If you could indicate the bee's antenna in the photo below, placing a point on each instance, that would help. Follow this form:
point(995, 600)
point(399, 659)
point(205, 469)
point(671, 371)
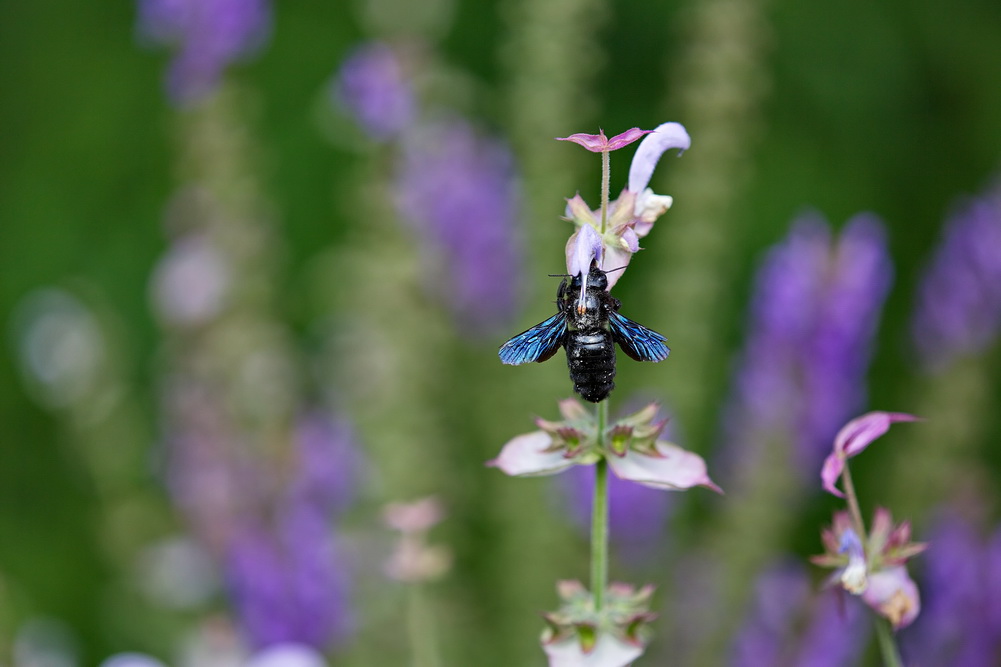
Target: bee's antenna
point(618, 269)
point(565, 275)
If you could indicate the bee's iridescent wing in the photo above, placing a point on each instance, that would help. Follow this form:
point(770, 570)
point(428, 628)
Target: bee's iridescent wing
point(636, 340)
point(537, 344)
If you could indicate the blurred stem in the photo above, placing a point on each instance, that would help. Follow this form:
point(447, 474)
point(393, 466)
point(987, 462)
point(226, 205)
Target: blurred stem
point(853, 506)
point(423, 647)
point(599, 516)
point(887, 645)
point(606, 176)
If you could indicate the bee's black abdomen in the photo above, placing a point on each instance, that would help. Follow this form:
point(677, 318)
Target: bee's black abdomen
point(591, 358)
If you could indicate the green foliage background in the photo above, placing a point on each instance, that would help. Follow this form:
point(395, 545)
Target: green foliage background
point(889, 107)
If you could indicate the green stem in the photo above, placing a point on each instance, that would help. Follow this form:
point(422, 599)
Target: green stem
point(599, 516)
point(423, 650)
point(853, 506)
point(606, 175)
point(887, 645)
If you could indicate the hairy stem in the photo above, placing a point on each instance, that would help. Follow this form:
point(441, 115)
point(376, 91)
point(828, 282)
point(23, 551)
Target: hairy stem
point(599, 516)
point(606, 175)
point(853, 506)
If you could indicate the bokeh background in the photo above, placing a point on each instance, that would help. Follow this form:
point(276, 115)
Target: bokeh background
point(256, 260)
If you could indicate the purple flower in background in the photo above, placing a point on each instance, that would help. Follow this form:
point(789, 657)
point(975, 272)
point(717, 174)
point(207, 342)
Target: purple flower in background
point(637, 514)
point(959, 300)
point(787, 624)
point(371, 85)
point(457, 190)
point(207, 35)
point(961, 620)
point(814, 313)
point(779, 596)
point(288, 582)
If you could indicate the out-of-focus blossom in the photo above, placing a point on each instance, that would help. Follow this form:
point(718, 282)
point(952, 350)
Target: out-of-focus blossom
point(874, 568)
point(132, 660)
point(287, 655)
point(61, 346)
point(578, 635)
point(960, 623)
point(414, 560)
point(786, 624)
point(289, 583)
point(207, 36)
point(852, 440)
point(779, 595)
point(177, 573)
point(457, 189)
point(814, 312)
point(279, 655)
point(959, 300)
point(631, 216)
point(415, 517)
point(190, 282)
point(372, 86)
point(632, 447)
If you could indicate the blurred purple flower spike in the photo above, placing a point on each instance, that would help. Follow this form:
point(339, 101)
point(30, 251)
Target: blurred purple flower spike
point(208, 36)
point(959, 302)
point(459, 192)
point(853, 439)
point(372, 86)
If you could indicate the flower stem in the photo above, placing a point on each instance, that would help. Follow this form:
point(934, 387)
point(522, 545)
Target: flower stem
point(887, 645)
point(606, 174)
point(599, 516)
point(853, 506)
point(423, 649)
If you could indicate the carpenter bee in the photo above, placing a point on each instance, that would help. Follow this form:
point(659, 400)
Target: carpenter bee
point(588, 325)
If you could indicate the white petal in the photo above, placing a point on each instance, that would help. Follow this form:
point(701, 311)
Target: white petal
point(665, 137)
point(526, 455)
point(676, 470)
point(608, 652)
point(648, 208)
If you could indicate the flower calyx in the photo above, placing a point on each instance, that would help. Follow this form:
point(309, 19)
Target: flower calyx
point(873, 566)
point(579, 626)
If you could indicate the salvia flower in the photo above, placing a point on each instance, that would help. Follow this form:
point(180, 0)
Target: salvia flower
point(458, 191)
point(631, 216)
point(633, 449)
point(373, 88)
point(853, 439)
point(874, 568)
point(415, 560)
point(579, 635)
point(814, 312)
point(208, 36)
point(960, 622)
point(959, 300)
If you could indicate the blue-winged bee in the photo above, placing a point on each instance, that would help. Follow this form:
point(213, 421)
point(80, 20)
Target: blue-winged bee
point(587, 324)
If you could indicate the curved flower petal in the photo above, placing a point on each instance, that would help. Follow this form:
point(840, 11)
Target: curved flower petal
point(893, 595)
point(664, 138)
point(834, 465)
point(583, 246)
point(852, 440)
point(528, 454)
point(608, 651)
point(857, 434)
point(674, 470)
